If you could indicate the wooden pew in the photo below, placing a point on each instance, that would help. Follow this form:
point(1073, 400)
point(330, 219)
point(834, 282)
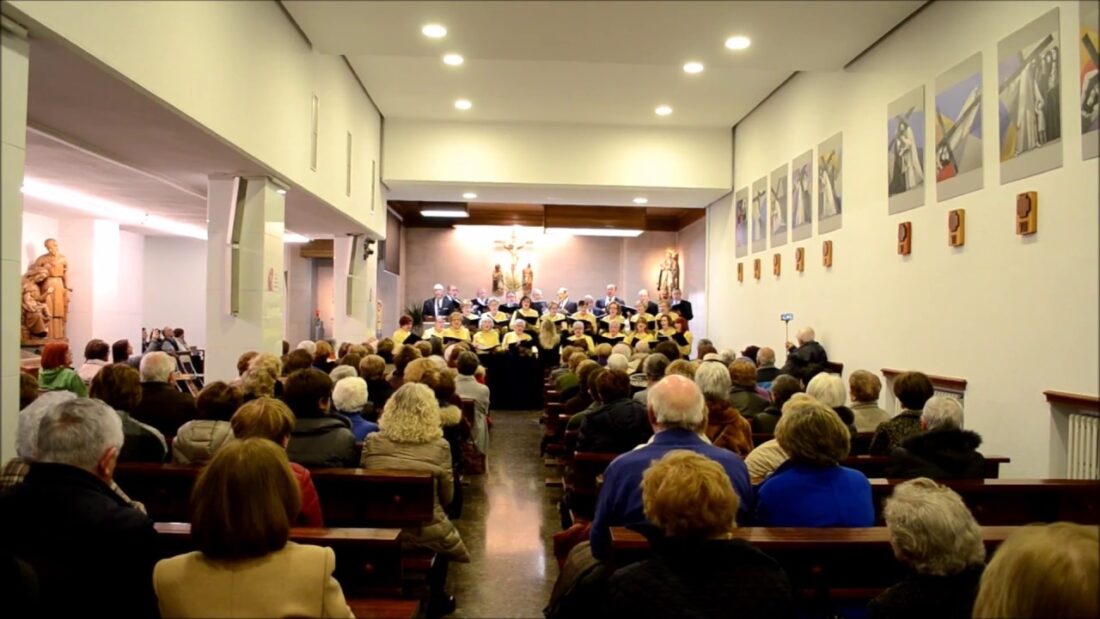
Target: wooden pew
point(875, 466)
point(384, 608)
point(366, 559)
point(1015, 501)
point(860, 442)
point(582, 483)
point(349, 497)
point(823, 564)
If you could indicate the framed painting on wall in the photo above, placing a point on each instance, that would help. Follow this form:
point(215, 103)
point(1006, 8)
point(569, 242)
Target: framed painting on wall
point(741, 222)
point(830, 189)
point(958, 126)
point(905, 151)
point(802, 192)
point(778, 216)
point(760, 214)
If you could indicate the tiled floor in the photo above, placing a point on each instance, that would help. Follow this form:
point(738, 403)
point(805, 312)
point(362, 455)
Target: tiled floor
point(507, 523)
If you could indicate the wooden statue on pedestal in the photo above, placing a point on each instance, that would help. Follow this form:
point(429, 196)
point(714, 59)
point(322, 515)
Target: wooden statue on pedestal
point(45, 300)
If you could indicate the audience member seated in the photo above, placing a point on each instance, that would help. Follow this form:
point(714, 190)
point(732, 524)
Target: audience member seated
point(620, 424)
point(245, 361)
point(595, 402)
point(560, 377)
point(807, 359)
point(271, 419)
point(309, 346)
point(766, 372)
point(677, 412)
point(95, 357)
point(603, 352)
point(323, 356)
point(163, 405)
point(742, 393)
point(811, 489)
point(57, 373)
point(696, 569)
point(385, 349)
point(411, 438)
point(783, 388)
point(197, 441)
point(373, 369)
point(582, 397)
point(1048, 570)
point(319, 439)
point(726, 427)
point(92, 552)
point(401, 360)
point(273, 367)
point(618, 363)
point(28, 390)
point(119, 386)
point(654, 366)
point(943, 450)
point(829, 390)
point(299, 359)
point(864, 388)
point(668, 349)
point(681, 367)
point(26, 434)
point(935, 537)
point(702, 350)
point(123, 352)
point(341, 372)
point(349, 396)
point(243, 505)
point(912, 389)
point(468, 388)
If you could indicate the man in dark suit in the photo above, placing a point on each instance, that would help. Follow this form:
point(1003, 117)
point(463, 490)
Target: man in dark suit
point(536, 301)
point(680, 305)
point(438, 305)
point(163, 405)
point(645, 304)
point(481, 302)
point(567, 306)
point(601, 304)
point(452, 294)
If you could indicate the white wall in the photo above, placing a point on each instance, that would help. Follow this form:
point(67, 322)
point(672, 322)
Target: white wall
point(299, 290)
point(692, 243)
point(1012, 315)
point(36, 229)
point(543, 154)
point(175, 286)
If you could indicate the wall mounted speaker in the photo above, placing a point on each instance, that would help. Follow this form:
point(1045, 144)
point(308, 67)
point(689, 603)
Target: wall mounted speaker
point(905, 238)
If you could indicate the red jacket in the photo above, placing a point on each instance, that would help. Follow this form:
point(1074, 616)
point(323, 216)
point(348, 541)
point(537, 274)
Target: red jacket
point(310, 516)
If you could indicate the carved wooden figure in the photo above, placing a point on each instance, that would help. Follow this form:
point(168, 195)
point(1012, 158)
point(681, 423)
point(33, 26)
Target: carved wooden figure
point(905, 238)
point(956, 228)
point(799, 259)
point(1027, 213)
point(827, 253)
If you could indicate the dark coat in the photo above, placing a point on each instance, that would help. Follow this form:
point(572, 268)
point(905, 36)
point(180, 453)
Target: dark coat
point(615, 427)
point(749, 403)
point(938, 454)
point(726, 428)
point(806, 361)
point(139, 444)
point(322, 442)
point(700, 579)
point(765, 422)
point(446, 307)
point(890, 434)
point(683, 308)
point(920, 596)
point(767, 375)
point(164, 407)
point(92, 553)
point(378, 392)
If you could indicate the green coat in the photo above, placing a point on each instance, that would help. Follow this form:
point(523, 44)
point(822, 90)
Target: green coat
point(62, 379)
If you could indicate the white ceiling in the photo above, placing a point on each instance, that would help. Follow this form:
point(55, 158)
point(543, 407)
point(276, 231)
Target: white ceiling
point(590, 62)
point(502, 193)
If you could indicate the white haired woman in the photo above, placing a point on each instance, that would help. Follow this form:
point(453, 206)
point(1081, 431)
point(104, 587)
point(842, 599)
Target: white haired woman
point(726, 427)
point(829, 390)
point(943, 450)
point(934, 535)
point(411, 438)
point(349, 396)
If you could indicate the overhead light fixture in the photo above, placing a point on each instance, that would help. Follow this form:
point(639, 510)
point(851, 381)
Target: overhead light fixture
point(693, 67)
point(454, 213)
point(463, 104)
point(292, 237)
point(738, 42)
point(663, 110)
point(106, 209)
point(434, 31)
point(641, 200)
point(281, 191)
point(453, 59)
point(594, 232)
point(469, 195)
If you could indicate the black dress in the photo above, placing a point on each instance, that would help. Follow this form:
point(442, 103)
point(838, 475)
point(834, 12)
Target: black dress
point(922, 595)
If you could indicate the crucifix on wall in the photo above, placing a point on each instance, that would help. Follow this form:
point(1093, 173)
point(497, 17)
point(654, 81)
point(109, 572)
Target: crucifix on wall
point(513, 246)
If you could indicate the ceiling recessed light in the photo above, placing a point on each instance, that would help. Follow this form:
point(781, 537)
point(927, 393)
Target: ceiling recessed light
point(738, 42)
point(469, 195)
point(453, 59)
point(463, 104)
point(663, 110)
point(434, 31)
point(693, 67)
point(281, 192)
point(445, 212)
point(641, 200)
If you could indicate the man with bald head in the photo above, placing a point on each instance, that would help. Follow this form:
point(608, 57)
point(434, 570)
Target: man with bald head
point(677, 412)
point(807, 359)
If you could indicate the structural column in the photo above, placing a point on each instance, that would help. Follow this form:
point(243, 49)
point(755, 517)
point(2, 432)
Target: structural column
point(353, 283)
point(14, 66)
point(245, 287)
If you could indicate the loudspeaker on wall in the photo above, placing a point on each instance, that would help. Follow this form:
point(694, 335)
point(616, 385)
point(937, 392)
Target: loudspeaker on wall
point(905, 238)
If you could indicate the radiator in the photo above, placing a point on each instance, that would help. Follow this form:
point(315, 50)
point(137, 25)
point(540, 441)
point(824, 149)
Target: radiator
point(1083, 459)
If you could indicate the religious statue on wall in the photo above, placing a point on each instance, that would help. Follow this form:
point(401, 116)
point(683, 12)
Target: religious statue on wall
point(528, 279)
point(668, 279)
point(49, 272)
point(36, 313)
point(498, 281)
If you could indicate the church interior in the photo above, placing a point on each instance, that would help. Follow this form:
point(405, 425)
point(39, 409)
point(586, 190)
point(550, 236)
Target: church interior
point(561, 309)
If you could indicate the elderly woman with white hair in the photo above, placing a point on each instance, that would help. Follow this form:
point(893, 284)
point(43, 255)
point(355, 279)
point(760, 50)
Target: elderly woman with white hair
point(829, 390)
point(410, 438)
point(943, 449)
point(580, 339)
point(726, 427)
point(518, 341)
point(933, 533)
point(349, 397)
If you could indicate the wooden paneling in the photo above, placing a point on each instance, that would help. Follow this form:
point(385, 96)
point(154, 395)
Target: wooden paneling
point(1086, 403)
point(568, 216)
point(606, 217)
point(317, 248)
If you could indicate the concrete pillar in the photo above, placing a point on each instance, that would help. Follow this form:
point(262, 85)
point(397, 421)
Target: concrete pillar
point(355, 276)
point(257, 323)
point(14, 67)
